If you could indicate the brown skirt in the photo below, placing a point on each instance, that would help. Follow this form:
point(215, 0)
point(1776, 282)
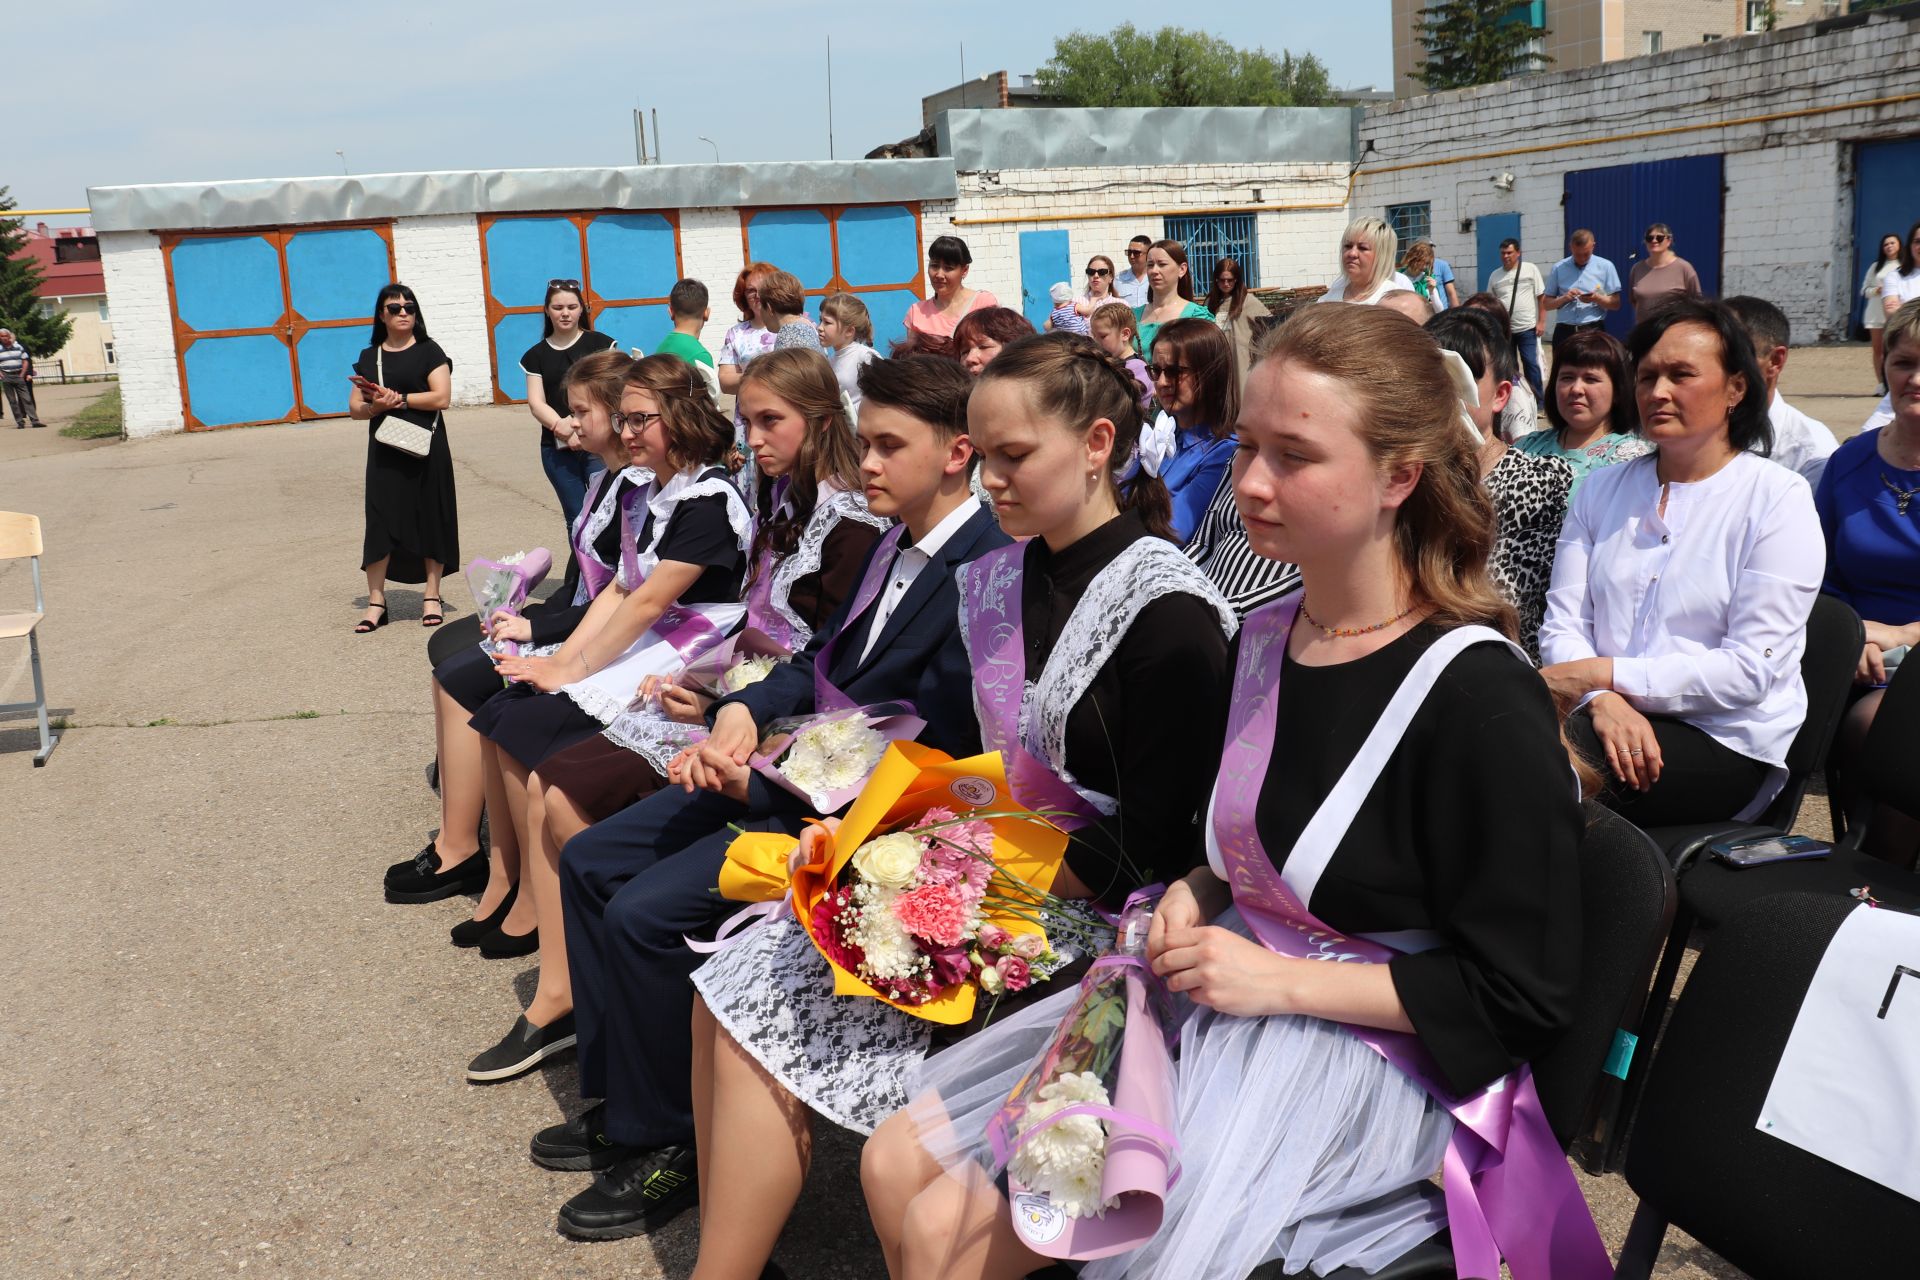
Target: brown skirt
point(599, 777)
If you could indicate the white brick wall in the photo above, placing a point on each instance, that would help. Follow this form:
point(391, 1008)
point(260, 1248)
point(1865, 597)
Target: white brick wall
point(143, 319)
point(711, 252)
point(1788, 220)
point(438, 257)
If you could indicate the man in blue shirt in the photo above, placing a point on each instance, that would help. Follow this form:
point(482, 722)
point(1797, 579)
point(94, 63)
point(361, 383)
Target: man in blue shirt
point(1447, 295)
point(1582, 287)
point(1131, 284)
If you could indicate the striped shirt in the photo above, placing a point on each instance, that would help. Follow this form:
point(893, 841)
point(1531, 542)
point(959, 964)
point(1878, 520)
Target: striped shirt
point(13, 363)
point(1220, 547)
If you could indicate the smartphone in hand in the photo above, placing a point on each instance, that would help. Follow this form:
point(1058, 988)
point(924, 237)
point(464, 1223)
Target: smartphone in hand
point(368, 387)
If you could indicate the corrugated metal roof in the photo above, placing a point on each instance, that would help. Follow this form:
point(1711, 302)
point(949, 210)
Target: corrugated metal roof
point(1068, 137)
point(255, 202)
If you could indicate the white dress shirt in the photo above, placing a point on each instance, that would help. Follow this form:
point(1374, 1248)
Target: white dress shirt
point(1337, 291)
point(1131, 288)
point(1800, 443)
point(1882, 414)
point(907, 565)
point(1703, 611)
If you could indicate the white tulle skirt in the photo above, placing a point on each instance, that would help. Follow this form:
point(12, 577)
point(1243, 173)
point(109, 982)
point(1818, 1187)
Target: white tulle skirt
point(1297, 1141)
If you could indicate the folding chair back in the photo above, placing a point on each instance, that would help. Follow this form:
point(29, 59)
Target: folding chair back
point(1697, 1160)
point(20, 537)
point(1889, 770)
point(1835, 637)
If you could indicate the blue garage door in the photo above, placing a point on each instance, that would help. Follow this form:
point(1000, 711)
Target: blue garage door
point(1043, 264)
point(626, 264)
point(268, 323)
point(1886, 201)
point(869, 250)
point(1617, 204)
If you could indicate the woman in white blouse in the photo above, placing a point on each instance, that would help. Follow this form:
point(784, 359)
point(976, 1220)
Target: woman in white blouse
point(1682, 586)
point(1368, 251)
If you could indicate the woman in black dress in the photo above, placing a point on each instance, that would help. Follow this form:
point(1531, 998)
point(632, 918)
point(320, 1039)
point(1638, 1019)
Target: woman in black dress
point(413, 529)
point(567, 336)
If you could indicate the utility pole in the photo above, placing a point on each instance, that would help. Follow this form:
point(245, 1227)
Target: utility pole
point(639, 137)
point(343, 162)
point(829, 97)
point(656, 135)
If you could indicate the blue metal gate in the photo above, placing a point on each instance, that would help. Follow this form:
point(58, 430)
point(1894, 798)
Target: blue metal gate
point(1886, 200)
point(869, 250)
point(1618, 202)
point(1210, 237)
point(1043, 264)
point(1489, 229)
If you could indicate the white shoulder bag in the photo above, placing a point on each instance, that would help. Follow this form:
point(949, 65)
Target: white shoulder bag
point(396, 432)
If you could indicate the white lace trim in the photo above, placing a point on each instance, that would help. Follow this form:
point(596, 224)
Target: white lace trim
point(652, 736)
point(833, 506)
point(1134, 579)
point(595, 519)
point(689, 484)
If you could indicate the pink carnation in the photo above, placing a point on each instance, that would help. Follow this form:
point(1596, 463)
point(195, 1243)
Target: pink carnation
point(1015, 972)
point(937, 912)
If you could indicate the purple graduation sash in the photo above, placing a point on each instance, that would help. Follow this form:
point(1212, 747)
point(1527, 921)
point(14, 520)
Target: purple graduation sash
point(1508, 1188)
point(632, 504)
point(761, 615)
point(996, 638)
point(826, 697)
point(594, 576)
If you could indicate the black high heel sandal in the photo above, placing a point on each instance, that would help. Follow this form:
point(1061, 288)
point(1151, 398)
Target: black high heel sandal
point(363, 626)
point(433, 619)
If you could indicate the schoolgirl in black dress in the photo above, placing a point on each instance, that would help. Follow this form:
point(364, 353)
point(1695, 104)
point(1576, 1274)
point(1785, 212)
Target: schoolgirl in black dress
point(567, 336)
point(413, 529)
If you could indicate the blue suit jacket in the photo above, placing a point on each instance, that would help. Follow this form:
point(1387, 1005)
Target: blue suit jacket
point(919, 657)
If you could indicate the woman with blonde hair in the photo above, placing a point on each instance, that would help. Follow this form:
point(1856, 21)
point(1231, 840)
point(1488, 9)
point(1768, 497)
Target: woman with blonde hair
point(1298, 1141)
point(1367, 249)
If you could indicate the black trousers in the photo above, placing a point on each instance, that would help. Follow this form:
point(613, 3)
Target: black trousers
point(1700, 780)
point(1561, 332)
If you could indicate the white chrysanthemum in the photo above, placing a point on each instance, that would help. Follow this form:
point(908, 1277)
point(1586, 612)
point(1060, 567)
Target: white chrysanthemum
point(1065, 1160)
point(834, 755)
point(515, 558)
point(748, 671)
point(889, 951)
point(890, 861)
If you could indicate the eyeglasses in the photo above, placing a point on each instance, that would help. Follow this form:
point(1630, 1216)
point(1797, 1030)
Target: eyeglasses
point(1658, 239)
point(638, 421)
point(1171, 372)
point(564, 284)
point(402, 309)
point(1098, 271)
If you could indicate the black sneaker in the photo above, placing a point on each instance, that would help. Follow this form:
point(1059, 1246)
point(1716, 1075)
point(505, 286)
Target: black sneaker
point(635, 1197)
point(423, 880)
point(580, 1145)
point(525, 1047)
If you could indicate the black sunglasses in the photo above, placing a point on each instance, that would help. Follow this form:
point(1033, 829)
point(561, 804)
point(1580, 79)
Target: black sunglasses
point(1658, 239)
point(564, 284)
point(1171, 372)
point(403, 309)
point(1099, 271)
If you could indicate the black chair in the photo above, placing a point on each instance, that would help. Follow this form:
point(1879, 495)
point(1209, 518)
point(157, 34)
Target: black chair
point(1835, 637)
point(1699, 1163)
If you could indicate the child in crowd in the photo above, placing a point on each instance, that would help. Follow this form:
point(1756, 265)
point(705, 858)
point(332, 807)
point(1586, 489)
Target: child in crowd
point(847, 328)
point(687, 304)
point(1114, 327)
point(1063, 315)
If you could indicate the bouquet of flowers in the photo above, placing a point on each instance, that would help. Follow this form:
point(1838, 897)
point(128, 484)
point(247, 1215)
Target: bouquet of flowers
point(826, 759)
point(1086, 1137)
point(502, 586)
point(735, 663)
point(927, 893)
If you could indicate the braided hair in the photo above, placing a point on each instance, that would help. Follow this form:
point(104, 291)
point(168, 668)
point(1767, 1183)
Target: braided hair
point(1073, 380)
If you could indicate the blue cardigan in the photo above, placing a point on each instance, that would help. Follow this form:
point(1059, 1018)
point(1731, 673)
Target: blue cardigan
point(1193, 476)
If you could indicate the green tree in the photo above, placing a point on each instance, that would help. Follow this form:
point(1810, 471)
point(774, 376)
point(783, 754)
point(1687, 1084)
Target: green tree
point(1174, 67)
point(41, 334)
point(1471, 42)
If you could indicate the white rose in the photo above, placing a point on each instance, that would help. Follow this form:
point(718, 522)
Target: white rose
point(891, 861)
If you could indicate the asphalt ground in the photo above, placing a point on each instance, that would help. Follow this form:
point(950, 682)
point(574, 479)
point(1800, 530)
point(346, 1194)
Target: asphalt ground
point(226, 1052)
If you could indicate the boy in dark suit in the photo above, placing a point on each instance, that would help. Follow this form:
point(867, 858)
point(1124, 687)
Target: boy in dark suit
point(635, 885)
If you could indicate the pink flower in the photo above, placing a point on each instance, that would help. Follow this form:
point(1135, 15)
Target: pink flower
point(951, 967)
point(937, 912)
point(993, 938)
point(1029, 946)
point(1014, 971)
point(957, 854)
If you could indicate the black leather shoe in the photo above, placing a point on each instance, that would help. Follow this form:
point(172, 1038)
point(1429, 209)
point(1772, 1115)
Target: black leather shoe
point(423, 880)
point(635, 1197)
point(524, 1048)
point(471, 933)
point(498, 944)
point(580, 1145)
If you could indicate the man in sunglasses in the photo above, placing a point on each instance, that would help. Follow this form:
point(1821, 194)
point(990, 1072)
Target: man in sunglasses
point(1131, 285)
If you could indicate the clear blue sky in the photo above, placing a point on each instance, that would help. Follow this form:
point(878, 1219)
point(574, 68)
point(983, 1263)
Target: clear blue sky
point(136, 93)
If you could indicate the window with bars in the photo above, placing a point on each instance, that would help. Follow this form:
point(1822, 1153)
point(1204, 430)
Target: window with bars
point(1411, 222)
point(1208, 238)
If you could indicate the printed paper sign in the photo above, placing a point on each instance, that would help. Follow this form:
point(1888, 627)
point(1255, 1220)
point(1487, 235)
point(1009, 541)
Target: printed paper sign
point(1846, 1089)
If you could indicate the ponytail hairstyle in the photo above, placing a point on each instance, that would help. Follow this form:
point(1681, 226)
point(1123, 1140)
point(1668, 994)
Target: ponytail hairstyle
point(1072, 380)
point(804, 379)
point(851, 314)
point(1407, 414)
point(601, 377)
point(698, 434)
